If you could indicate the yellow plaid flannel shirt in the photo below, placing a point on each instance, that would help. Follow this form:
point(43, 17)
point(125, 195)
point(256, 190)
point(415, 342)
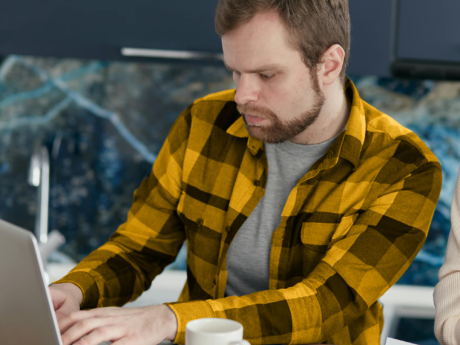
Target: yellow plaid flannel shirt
point(350, 228)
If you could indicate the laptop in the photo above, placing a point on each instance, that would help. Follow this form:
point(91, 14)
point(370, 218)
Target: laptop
point(26, 311)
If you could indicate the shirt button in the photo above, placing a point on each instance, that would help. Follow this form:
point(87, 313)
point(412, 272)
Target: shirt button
point(257, 183)
point(228, 228)
point(199, 221)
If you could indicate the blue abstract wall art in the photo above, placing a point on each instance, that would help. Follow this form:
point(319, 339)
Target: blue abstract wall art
point(105, 122)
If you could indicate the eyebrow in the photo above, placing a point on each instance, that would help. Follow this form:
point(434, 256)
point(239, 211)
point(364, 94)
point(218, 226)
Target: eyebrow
point(261, 69)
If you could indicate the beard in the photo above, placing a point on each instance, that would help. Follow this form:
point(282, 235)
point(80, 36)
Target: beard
point(278, 131)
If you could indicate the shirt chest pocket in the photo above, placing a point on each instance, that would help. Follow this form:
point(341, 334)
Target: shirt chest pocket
point(190, 211)
point(199, 216)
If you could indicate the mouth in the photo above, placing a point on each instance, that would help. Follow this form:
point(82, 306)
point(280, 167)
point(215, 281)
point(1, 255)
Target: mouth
point(254, 120)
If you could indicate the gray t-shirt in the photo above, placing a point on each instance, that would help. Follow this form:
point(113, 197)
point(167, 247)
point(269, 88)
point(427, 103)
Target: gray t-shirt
point(248, 258)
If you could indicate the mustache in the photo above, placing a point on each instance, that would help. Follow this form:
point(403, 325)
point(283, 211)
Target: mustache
point(253, 110)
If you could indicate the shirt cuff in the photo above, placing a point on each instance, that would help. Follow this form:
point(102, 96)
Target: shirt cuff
point(87, 285)
point(188, 311)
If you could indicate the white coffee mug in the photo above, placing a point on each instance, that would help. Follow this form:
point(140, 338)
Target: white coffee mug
point(211, 331)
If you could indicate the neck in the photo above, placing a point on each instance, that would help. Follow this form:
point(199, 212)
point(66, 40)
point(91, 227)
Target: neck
point(332, 119)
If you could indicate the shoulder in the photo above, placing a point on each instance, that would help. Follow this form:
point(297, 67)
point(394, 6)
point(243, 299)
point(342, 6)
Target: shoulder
point(217, 109)
point(222, 96)
point(383, 130)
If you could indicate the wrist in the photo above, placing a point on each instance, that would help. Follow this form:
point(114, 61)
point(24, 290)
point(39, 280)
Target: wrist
point(69, 289)
point(171, 323)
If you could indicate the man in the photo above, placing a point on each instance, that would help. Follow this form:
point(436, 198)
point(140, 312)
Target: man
point(301, 203)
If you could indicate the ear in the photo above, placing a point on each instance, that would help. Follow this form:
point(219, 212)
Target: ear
point(331, 64)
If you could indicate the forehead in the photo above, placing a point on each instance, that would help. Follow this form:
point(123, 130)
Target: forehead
point(260, 41)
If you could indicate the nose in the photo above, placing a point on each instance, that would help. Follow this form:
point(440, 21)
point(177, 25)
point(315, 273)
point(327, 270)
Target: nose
point(247, 90)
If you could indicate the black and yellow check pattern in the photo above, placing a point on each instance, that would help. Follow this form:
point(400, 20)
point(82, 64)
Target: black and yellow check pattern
point(350, 228)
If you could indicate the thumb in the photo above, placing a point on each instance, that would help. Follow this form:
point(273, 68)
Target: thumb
point(65, 307)
point(64, 310)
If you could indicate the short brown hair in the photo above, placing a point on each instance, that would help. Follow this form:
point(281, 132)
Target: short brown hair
point(312, 25)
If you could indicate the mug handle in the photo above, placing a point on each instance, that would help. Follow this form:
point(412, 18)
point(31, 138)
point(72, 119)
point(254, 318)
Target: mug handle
point(240, 342)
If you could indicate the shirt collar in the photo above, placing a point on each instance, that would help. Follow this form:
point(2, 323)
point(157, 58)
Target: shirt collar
point(238, 129)
point(348, 144)
point(352, 140)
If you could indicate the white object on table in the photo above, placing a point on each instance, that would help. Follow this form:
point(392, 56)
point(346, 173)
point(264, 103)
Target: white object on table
point(214, 331)
point(391, 341)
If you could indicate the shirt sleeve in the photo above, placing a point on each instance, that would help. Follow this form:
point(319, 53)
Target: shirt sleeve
point(358, 267)
point(447, 291)
point(120, 270)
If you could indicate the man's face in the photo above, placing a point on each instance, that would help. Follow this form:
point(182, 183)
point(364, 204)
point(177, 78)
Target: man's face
point(276, 94)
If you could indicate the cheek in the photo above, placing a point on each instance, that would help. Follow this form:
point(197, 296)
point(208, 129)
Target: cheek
point(291, 96)
point(277, 93)
point(287, 97)
point(293, 88)
point(302, 94)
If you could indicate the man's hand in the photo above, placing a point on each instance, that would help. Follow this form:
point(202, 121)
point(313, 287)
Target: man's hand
point(66, 299)
point(122, 326)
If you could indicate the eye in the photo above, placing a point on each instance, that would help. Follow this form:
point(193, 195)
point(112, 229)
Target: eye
point(267, 76)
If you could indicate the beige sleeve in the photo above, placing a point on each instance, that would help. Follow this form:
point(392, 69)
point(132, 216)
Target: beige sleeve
point(447, 291)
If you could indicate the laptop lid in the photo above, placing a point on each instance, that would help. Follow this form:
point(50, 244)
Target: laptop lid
point(26, 312)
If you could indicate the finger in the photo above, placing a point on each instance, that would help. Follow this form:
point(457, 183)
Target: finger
point(72, 318)
point(57, 303)
point(65, 309)
point(115, 311)
point(101, 334)
point(82, 328)
point(60, 315)
point(131, 341)
point(123, 341)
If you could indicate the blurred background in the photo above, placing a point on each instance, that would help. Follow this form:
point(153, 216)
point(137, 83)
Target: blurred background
point(90, 90)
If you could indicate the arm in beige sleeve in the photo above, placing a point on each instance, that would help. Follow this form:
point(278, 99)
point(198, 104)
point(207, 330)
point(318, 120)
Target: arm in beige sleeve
point(447, 291)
